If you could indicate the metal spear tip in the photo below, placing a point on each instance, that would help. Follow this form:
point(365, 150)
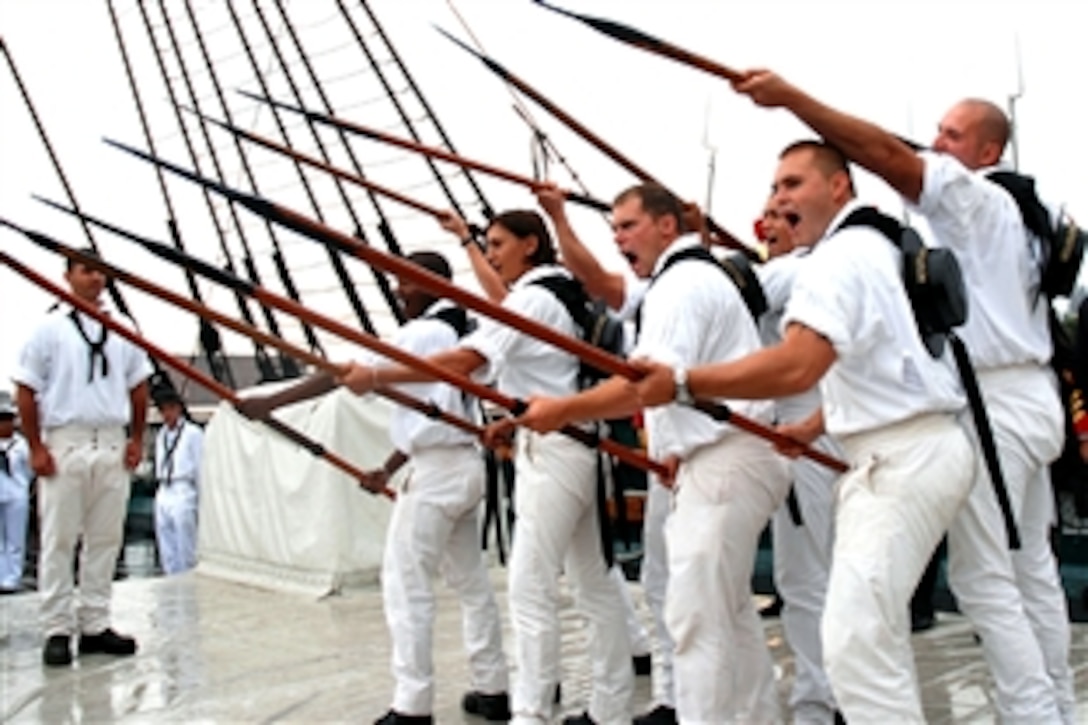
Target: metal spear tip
point(206, 118)
point(253, 96)
point(486, 60)
point(451, 37)
point(129, 149)
point(275, 103)
point(562, 11)
point(51, 203)
point(175, 169)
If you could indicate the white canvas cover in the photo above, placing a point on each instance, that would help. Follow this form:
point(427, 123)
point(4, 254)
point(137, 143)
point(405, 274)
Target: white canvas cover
point(274, 515)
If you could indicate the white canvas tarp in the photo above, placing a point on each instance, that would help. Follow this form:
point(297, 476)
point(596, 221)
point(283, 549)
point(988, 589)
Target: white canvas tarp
point(274, 515)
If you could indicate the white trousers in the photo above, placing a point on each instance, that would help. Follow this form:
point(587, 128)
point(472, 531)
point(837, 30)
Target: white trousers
point(433, 530)
point(1015, 600)
point(13, 523)
point(906, 483)
point(802, 564)
point(86, 500)
point(175, 525)
point(725, 494)
point(655, 581)
point(557, 530)
point(636, 633)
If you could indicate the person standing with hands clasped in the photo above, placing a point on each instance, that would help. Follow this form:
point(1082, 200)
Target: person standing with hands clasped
point(15, 476)
point(78, 387)
point(179, 446)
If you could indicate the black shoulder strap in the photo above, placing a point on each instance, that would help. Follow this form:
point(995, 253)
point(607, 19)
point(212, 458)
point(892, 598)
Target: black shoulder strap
point(893, 230)
point(867, 216)
point(1022, 189)
point(455, 317)
point(736, 267)
point(571, 294)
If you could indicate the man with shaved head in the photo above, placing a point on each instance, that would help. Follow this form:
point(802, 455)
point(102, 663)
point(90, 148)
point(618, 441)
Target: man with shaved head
point(1014, 599)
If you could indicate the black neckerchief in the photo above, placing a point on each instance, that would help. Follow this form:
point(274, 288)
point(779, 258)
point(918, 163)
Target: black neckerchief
point(95, 349)
point(169, 454)
point(5, 463)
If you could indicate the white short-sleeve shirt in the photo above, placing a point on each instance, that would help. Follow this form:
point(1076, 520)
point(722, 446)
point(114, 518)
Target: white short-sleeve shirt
point(979, 220)
point(15, 485)
point(777, 277)
point(521, 364)
point(693, 314)
point(850, 291)
point(410, 430)
point(178, 452)
point(55, 363)
point(634, 291)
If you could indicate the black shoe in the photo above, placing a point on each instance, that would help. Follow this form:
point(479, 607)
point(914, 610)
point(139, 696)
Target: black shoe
point(660, 715)
point(58, 650)
point(773, 609)
point(839, 718)
point(643, 664)
point(107, 642)
point(495, 708)
point(922, 622)
point(395, 718)
point(583, 719)
point(558, 696)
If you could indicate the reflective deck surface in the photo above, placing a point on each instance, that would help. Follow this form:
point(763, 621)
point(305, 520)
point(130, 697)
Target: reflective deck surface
point(214, 651)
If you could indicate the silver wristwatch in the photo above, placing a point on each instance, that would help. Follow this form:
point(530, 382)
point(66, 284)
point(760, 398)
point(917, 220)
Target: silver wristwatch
point(680, 380)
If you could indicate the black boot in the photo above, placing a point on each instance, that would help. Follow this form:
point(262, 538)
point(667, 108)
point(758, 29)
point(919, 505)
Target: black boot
point(495, 708)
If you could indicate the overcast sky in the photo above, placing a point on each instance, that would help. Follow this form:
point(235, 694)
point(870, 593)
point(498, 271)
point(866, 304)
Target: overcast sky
point(900, 64)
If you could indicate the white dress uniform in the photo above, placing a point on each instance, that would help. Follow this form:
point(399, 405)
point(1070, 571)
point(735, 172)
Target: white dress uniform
point(178, 452)
point(654, 571)
point(893, 409)
point(15, 476)
point(557, 529)
point(433, 530)
point(1014, 600)
point(83, 407)
point(802, 547)
point(727, 487)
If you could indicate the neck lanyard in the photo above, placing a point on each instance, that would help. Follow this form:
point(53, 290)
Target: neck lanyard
point(170, 448)
point(5, 463)
point(95, 349)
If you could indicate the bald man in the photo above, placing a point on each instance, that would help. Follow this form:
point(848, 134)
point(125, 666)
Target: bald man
point(1014, 599)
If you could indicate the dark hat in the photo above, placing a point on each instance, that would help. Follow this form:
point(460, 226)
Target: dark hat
point(162, 395)
point(7, 407)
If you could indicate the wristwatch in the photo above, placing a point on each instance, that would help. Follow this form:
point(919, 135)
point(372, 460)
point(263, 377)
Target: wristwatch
point(680, 380)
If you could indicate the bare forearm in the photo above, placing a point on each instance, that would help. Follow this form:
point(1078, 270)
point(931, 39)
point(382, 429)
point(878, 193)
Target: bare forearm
point(312, 387)
point(599, 282)
point(786, 369)
point(138, 401)
point(489, 279)
point(394, 462)
point(28, 415)
point(862, 142)
point(461, 361)
point(615, 398)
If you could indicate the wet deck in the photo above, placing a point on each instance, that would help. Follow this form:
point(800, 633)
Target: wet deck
point(215, 651)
